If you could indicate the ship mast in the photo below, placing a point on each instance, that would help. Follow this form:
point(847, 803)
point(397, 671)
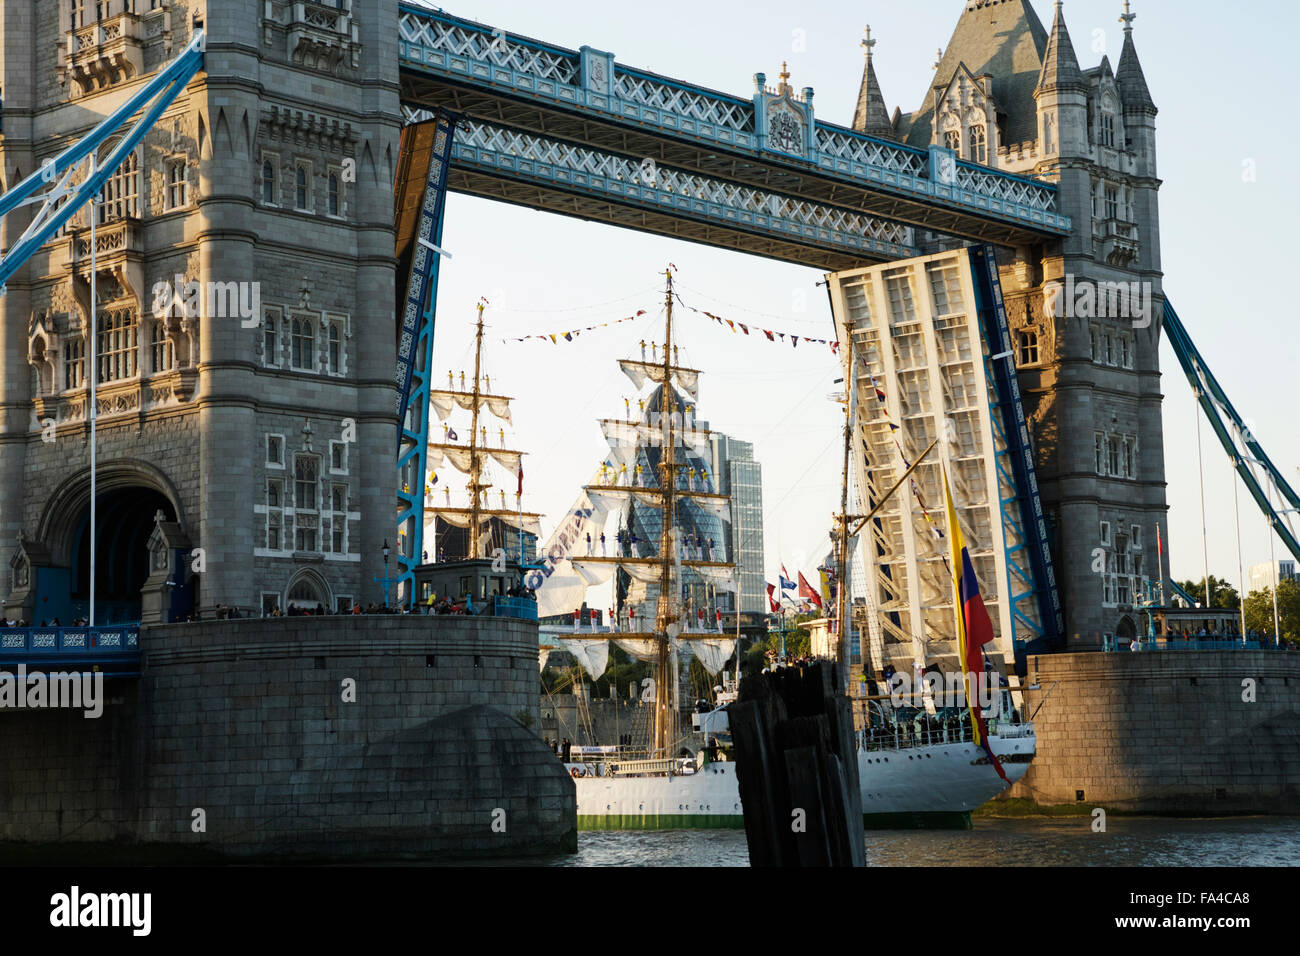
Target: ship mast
point(842, 546)
point(665, 684)
point(475, 467)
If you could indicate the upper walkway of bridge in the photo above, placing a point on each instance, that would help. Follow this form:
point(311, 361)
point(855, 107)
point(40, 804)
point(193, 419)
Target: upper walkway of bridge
point(771, 141)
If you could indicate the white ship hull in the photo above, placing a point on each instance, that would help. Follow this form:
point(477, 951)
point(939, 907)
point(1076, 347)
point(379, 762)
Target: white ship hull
point(936, 785)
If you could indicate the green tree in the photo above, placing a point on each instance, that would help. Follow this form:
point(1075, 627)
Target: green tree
point(798, 643)
point(1225, 595)
point(1259, 610)
point(623, 669)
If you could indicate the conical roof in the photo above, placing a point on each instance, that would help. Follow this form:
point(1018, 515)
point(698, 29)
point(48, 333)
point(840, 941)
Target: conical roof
point(1003, 38)
point(871, 115)
point(1132, 81)
point(1060, 64)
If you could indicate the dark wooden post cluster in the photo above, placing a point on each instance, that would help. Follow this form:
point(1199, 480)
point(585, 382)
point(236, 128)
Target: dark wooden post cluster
point(797, 765)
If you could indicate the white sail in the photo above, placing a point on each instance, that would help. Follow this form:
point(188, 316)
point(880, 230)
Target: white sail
point(712, 653)
point(641, 648)
point(595, 573)
point(724, 579)
point(461, 517)
point(592, 656)
point(444, 403)
point(624, 437)
point(641, 372)
point(559, 587)
point(458, 458)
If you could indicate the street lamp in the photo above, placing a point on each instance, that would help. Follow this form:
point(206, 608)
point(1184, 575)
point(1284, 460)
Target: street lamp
point(386, 582)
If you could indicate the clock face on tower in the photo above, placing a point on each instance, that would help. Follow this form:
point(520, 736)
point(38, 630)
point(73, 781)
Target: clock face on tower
point(785, 131)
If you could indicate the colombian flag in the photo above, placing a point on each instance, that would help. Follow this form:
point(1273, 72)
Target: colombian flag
point(974, 629)
point(827, 585)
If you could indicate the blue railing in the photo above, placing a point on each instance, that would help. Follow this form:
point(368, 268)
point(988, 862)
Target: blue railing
point(1215, 643)
point(524, 608)
point(69, 643)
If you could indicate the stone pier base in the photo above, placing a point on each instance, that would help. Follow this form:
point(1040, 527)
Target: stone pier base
point(1179, 732)
point(328, 738)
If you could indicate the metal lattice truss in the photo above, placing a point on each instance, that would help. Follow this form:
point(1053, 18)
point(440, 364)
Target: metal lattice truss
point(916, 341)
point(586, 98)
point(512, 165)
point(1276, 499)
point(482, 45)
point(702, 106)
point(1011, 190)
point(870, 152)
point(66, 183)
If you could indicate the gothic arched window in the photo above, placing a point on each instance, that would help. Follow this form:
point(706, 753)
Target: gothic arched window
point(302, 340)
point(300, 193)
point(116, 345)
point(978, 144)
point(952, 140)
point(119, 197)
point(161, 348)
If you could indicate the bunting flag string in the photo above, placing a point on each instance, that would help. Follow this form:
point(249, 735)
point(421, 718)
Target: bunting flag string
point(569, 336)
point(741, 328)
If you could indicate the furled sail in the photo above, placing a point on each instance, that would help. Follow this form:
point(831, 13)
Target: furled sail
point(461, 458)
point(641, 372)
point(625, 437)
point(445, 402)
point(640, 648)
point(592, 656)
point(712, 653)
point(461, 517)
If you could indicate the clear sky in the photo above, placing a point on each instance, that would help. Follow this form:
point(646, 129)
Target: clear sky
point(1215, 72)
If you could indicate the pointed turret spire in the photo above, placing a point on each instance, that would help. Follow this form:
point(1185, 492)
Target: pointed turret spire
point(871, 115)
point(1060, 65)
point(1132, 81)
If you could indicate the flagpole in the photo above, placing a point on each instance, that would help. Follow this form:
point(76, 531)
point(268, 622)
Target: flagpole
point(91, 405)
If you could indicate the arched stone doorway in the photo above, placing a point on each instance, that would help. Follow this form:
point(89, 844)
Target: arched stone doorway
point(129, 497)
point(124, 520)
point(1126, 630)
point(308, 591)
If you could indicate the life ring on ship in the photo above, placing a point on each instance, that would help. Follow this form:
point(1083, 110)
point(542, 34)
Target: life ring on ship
point(578, 772)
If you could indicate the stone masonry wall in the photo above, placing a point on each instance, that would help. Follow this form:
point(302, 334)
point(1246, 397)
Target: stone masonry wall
point(246, 720)
point(1166, 732)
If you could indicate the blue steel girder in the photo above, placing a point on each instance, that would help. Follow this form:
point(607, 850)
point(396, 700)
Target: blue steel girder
point(1006, 404)
point(541, 173)
point(55, 176)
point(1236, 438)
point(585, 97)
point(415, 359)
point(1012, 516)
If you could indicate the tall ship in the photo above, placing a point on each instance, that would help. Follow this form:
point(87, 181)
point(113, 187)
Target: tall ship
point(479, 537)
point(485, 517)
point(650, 522)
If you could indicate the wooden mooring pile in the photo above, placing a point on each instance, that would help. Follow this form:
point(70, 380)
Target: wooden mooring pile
point(798, 769)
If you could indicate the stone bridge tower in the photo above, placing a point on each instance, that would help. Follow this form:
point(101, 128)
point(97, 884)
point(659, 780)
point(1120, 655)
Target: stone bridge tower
point(245, 287)
point(1086, 311)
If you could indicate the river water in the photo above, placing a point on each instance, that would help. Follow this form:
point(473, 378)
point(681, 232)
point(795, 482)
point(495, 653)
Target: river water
point(1127, 841)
